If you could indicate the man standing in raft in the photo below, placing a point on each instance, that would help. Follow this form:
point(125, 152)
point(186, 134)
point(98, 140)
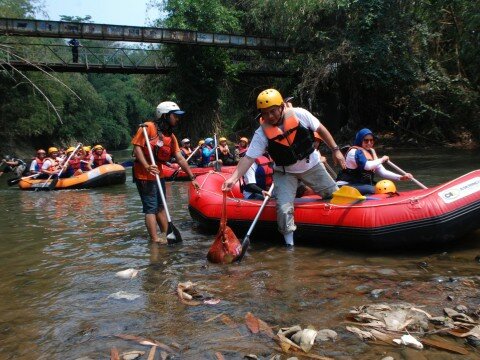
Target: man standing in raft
point(165, 146)
point(287, 134)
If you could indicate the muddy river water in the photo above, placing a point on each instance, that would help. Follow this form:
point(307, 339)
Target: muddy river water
point(59, 252)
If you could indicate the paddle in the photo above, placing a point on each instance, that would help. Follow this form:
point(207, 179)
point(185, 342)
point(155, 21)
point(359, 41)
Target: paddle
point(404, 173)
point(346, 195)
point(173, 235)
point(216, 167)
point(54, 182)
point(246, 239)
point(330, 170)
point(174, 175)
point(14, 181)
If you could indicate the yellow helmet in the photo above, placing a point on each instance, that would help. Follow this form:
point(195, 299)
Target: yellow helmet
point(98, 147)
point(269, 97)
point(244, 139)
point(385, 187)
point(87, 148)
point(70, 149)
point(222, 139)
point(52, 150)
point(201, 142)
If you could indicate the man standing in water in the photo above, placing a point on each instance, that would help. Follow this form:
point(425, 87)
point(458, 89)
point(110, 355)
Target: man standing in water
point(165, 146)
point(287, 134)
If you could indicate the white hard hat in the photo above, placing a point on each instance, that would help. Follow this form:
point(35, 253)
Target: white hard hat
point(186, 140)
point(167, 107)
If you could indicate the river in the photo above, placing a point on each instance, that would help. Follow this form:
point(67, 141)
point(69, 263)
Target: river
point(59, 252)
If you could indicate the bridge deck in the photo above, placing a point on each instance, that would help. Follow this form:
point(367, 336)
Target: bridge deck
point(62, 29)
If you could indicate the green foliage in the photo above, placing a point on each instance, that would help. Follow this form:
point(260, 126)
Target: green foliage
point(203, 73)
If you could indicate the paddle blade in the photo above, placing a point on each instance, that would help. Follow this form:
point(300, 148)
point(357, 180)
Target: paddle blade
point(346, 195)
point(245, 245)
point(52, 185)
point(14, 181)
point(173, 235)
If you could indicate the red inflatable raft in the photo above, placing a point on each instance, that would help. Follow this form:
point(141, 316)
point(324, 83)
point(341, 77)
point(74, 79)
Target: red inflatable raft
point(197, 171)
point(439, 214)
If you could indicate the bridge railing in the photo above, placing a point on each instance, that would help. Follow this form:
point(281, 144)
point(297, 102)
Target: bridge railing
point(87, 55)
point(62, 29)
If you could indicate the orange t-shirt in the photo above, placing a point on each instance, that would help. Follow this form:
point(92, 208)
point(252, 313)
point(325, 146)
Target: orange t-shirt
point(140, 172)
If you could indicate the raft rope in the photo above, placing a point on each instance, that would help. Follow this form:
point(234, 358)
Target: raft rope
point(317, 203)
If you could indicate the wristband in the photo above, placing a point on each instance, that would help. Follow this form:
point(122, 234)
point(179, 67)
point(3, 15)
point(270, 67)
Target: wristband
point(335, 148)
point(192, 178)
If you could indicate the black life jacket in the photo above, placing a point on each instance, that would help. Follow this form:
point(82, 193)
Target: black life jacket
point(358, 176)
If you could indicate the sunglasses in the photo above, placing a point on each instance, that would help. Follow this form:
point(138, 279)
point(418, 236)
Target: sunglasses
point(368, 140)
point(41, 153)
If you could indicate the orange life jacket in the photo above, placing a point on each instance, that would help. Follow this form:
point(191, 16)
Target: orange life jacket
point(186, 151)
point(53, 164)
point(99, 160)
point(39, 165)
point(293, 143)
point(163, 148)
point(75, 163)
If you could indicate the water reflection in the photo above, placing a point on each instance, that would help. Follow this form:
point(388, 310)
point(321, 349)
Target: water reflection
point(59, 252)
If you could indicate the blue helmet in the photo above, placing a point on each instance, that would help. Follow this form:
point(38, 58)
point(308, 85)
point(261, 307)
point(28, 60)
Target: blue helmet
point(208, 141)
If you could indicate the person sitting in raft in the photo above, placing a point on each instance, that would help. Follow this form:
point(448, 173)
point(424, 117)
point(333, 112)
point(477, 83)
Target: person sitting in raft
point(241, 149)
point(100, 157)
point(88, 153)
point(11, 164)
point(258, 178)
point(186, 150)
point(363, 163)
point(37, 162)
point(224, 153)
point(52, 164)
point(208, 153)
point(197, 158)
point(77, 164)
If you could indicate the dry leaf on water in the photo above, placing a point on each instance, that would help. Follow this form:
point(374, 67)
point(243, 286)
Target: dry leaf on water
point(252, 323)
point(363, 335)
point(219, 356)
point(114, 355)
point(151, 354)
point(228, 321)
point(146, 342)
point(132, 355)
point(445, 345)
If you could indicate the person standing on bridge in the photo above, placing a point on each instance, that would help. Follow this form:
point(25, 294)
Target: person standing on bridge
point(75, 44)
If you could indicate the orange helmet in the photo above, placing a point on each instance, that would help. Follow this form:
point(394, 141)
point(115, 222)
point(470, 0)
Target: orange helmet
point(385, 187)
point(269, 97)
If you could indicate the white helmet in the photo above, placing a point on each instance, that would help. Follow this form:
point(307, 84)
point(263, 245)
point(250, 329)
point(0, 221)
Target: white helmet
point(167, 107)
point(186, 140)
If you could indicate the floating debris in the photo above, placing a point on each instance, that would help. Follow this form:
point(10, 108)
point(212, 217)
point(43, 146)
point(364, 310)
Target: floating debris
point(123, 295)
point(146, 342)
point(190, 295)
point(132, 355)
point(409, 340)
point(326, 335)
point(128, 273)
point(384, 322)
